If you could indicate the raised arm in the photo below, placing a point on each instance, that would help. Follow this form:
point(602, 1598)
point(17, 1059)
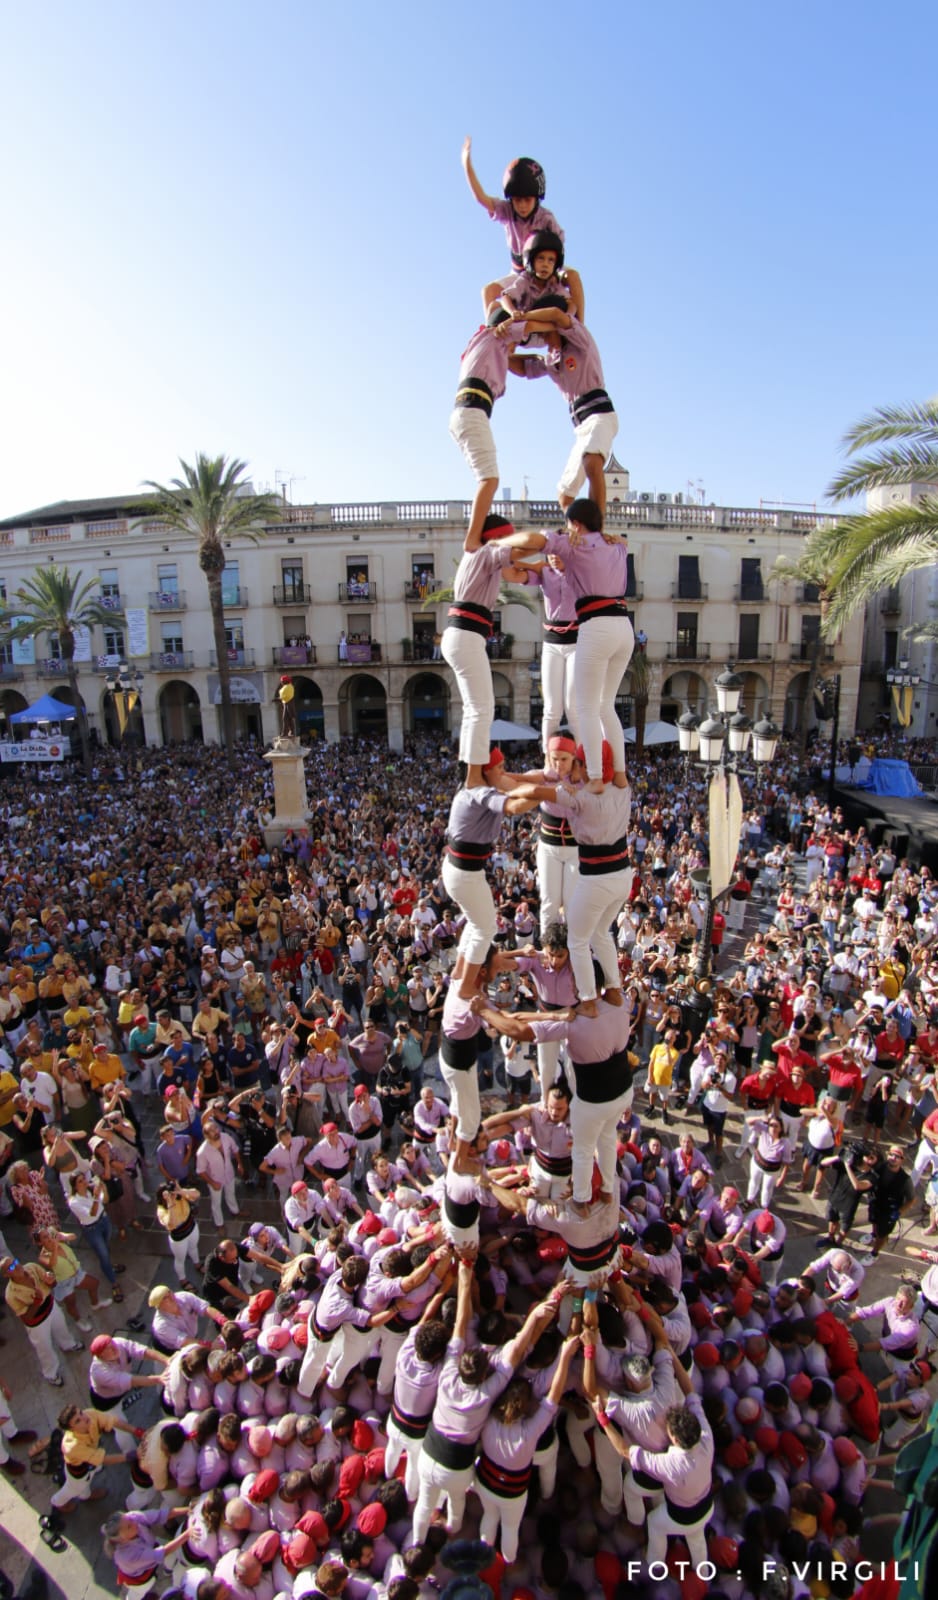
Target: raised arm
point(484, 199)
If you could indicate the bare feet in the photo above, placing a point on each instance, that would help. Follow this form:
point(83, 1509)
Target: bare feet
point(580, 1207)
point(588, 1008)
point(595, 786)
point(613, 997)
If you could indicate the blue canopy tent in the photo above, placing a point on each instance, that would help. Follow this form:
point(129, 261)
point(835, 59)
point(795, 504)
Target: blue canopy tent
point(48, 709)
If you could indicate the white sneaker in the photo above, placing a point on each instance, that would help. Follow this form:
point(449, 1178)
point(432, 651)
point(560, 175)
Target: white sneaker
point(84, 1326)
point(102, 1303)
point(867, 1260)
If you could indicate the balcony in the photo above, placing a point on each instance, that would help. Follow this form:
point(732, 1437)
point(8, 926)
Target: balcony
point(761, 652)
point(359, 653)
point(357, 591)
point(52, 667)
point(750, 594)
point(891, 603)
point(417, 592)
point(236, 658)
point(166, 600)
point(688, 650)
point(294, 655)
point(111, 600)
point(10, 672)
point(635, 591)
point(171, 661)
point(291, 594)
point(805, 651)
point(234, 595)
point(809, 594)
point(686, 589)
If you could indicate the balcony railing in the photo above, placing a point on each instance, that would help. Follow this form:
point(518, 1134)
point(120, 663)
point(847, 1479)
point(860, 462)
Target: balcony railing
point(357, 591)
point(291, 594)
point(419, 591)
point(234, 595)
point(112, 601)
point(294, 655)
point(688, 590)
point(891, 604)
point(358, 653)
point(809, 594)
point(751, 594)
point(10, 672)
point(635, 591)
point(805, 651)
point(52, 667)
point(760, 652)
point(167, 600)
point(171, 661)
point(236, 658)
point(689, 650)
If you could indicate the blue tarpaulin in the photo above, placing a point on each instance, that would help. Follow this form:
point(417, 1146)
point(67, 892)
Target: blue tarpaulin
point(48, 709)
point(892, 778)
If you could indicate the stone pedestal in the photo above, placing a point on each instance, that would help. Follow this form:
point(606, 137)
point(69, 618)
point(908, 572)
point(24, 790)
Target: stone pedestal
point(291, 807)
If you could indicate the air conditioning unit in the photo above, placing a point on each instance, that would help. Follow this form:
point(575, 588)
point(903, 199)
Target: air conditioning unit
point(646, 499)
point(665, 499)
point(678, 499)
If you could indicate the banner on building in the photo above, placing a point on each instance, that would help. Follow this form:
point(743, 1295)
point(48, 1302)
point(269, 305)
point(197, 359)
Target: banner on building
point(33, 750)
point(137, 631)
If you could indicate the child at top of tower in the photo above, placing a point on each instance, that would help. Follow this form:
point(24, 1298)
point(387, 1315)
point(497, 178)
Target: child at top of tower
point(522, 212)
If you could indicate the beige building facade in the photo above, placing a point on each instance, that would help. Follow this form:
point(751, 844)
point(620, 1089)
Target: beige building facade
point(336, 595)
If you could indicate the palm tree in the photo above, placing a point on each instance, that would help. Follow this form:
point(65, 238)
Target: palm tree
point(639, 681)
point(211, 502)
point(54, 601)
point(813, 568)
point(895, 447)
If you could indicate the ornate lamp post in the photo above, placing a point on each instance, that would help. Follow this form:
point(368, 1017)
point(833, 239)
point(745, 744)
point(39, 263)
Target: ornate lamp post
point(124, 687)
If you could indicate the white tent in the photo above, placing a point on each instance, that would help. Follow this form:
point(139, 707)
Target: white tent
point(655, 733)
point(512, 730)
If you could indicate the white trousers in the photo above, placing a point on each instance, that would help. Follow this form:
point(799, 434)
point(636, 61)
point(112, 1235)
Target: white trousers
point(558, 870)
point(75, 1488)
point(183, 1250)
point(465, 652)
point(435, 1482)
point(762, 1185)
point(546, 1462)
point(364, 1150)
point(337, 1100)
point(661, 1527)
point(596, 902)
point(227, 1191)
point(925, 1163)
point(548, 1064)
point(594, 1134)
point(44, 1339)
point(350, 1347)
point(603, 651)
point(638, 1501)
point(389, 1345)
point(473, 895)
point(557, 688)
point(315, 1356)
point(499, 1513)
point(545, 1185)
point(736, 915)
point(400, 1444)
point(464, 1102)
point(609, 1466)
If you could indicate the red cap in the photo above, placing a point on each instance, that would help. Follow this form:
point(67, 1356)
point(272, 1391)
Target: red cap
point(846, 1451)
point(298, 1187)
point(100, 1342)
point(372, 1520)
point(360, 1091)
point(374, 1463)
point(350, 1476)
point(300, 1335)
point(792, 1449)
point(167, 1092)
point(767, 1440)
point(552, 1249)
point(329, 1127)
point(266, 1546)
point(706, 1355)
point(502, 1149)
point(496, 759)
point(700, 1315)
point(264, 1487)
point(765, 1222)
point(259, 1303)
point(742, 1301)
point(276, 1338)
point(369, 1225)
point(141, 1017)
point(301, 1552)
point(387, 1236)
point(723, 1551)
point(736, 1455)
point(362, 1436)
point(314, 1524)
point(799, 1387)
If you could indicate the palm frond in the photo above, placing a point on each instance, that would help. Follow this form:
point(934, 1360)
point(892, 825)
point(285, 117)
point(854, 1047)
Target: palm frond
point(921, 632)
point(208, 502)
point(894, 422)
point(896, 468)
point(874, 551)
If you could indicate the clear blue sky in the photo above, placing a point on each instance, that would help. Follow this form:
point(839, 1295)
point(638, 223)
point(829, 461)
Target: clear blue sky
point(244, 228)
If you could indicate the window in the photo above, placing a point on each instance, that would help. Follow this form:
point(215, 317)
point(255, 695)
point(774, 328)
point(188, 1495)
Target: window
point(114, 642)
point(110, 588)
point(688, 577)
point(291, 572)
point(171, 638)
point(359, 625)
point(231, 586)
point(294, 629)
point(167, 581)
point(422, 576)
point(356, 578)
point(890, 648)
point(750, 578)
point(234, 635)
point(748, 637)
point(687, 634)
point(630, 589)
point(810, 635)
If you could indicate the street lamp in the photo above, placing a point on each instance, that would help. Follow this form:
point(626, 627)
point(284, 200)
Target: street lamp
point(902, 681)
point(124, 688)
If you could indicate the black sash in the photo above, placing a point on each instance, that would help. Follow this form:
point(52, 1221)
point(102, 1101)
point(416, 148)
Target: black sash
point(466, 855)
point(470, 617)
point(475, 395)
point(461, 1213)
point(590, 1257)
point(459, 1054)
point(412, 1427)
point(593, 403)
point(455, 1454)
point(599, 1081)
point(599, 858)
point(508, 1485)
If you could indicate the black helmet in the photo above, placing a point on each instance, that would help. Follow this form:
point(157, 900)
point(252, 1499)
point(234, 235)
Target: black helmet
point(524, 179)
point(544, 239)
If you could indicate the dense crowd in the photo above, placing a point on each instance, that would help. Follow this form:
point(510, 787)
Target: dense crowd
point(628, 1392)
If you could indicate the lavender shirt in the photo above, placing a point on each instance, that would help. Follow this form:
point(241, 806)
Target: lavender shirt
point(519, 229)
point(480, 572)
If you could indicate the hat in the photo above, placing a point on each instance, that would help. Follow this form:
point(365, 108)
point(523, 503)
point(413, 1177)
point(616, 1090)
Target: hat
point(313, 1523)
point(260, 1303)
point(496, 759)
point(723, 1551)
point(765, 1222)
point(260, 1440)
point(387, 1236)
point(99, 1343)
point(706, 1355)
point(141, 1017)
point(799, 1387)
point(266, 1546)
point(792, 1449)
point(847, 1387)
point(329, 1127)
point(350, 1476)
point(168, 1092)
point(846, 1451)
point(370, 1225)
point(156, 1296)
point(374, 1463)
point(552, 1249)
point(264, 1487)
point(302, 1551)
point(736, 1455)
point(766, 1440)
point(104, 1047)
point(700, 1315)
point(372, 1520)
point(300, 1335)
point(298, 1187)
point(560, 742)
point(360, 1091)
point(502, 1149)
point(276, 1338)
point(742, 1301)
point(924, 1369)
point(362, 1436)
